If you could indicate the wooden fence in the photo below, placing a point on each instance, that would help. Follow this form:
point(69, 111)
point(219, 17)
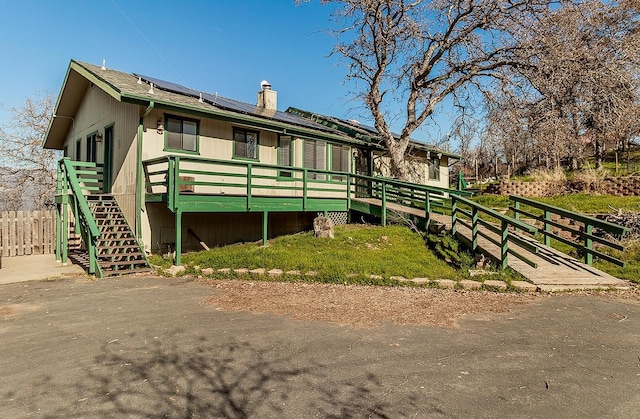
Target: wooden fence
point(27, 233)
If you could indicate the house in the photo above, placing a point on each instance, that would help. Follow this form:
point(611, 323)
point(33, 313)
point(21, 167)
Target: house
point(180, 168)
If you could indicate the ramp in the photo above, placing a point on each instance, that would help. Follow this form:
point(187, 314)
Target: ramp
point(554, 271)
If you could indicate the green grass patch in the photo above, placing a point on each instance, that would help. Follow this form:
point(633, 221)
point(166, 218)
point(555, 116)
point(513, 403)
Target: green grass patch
point(631, 257)
point(593, 204)
point(352, 256)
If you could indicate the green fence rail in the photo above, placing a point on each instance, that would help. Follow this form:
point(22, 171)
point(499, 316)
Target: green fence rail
point(75, 180)
point(468, 213)
point(543, 213)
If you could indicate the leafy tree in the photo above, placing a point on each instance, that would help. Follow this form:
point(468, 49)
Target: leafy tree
point(27, 170)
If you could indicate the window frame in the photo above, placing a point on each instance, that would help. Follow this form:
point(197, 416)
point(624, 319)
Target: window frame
point(182, 119)
point(246, 131)
point(434, 163)
point(92, 147)
point(325, 159)
point(342, 148)
point(285, 174)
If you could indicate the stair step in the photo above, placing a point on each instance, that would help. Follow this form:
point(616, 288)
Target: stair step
point(126, 271)
point(105, 263)
point(105, 256)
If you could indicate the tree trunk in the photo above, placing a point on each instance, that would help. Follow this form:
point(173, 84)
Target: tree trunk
point(399, 168)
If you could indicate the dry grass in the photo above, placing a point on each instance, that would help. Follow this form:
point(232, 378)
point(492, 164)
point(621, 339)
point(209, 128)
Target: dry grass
point(556, 176)
point(590, 179)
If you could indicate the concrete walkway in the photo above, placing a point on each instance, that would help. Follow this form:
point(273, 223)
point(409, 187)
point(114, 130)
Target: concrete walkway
point(35, 267)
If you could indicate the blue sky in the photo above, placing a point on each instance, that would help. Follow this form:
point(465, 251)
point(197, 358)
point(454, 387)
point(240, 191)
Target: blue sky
point(218, 46)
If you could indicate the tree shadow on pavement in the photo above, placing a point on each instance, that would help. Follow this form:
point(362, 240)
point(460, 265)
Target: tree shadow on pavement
point(233, 380)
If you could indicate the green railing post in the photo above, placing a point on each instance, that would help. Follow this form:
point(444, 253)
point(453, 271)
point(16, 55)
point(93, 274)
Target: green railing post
point(516, 212)
point(384, 204)
point(65, 233)
point(588, 244)
point(265, 228)
point(171, 184)
point(305, 174)
point(547, 228)
point(176, 181)
point(427, 205)
point(58, 233)
point(349, 179)
point(92, 254)
point(474, 229)
point(249, 174)
point(178, 238)
point(504, 244)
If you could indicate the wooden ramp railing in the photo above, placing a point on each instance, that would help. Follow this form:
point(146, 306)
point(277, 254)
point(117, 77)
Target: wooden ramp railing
point(513, 243)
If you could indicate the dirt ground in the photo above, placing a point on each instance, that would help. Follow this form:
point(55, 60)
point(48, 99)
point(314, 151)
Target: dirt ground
point(371, 306)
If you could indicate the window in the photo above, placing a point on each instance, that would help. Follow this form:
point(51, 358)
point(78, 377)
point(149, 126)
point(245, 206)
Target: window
point(65, 151)
point(78, 150)
point(245, 144)
point(340, 156)
point(434, 168)
point(91, 147)
point(315, 157)
point(181, 134)
point(285, 154)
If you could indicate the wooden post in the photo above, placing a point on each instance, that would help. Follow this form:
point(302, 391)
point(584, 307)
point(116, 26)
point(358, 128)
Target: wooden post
point(588, 244)
point(454, 215)
point(427, 206)
point(504, 247)
point(13, 250)
point(384, 204)
point(516, 215)
point(547, 228)
point(474, 229)
point(305, 173)
point(20, 224)
point(65, 233)
point(5, 233)
point(58, 234)
point(249, 174)
point(265, 228)
point(178, 237)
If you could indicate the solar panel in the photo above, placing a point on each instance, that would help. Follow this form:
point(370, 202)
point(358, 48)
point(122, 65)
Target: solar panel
point(232, 105)
point(169, 86)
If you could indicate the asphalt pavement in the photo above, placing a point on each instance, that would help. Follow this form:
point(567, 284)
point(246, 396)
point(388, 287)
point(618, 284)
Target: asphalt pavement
point(148, 347)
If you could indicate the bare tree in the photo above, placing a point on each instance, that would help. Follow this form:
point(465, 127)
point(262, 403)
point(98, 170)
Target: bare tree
point(417, 53)
point(27, 170)
point(582, 61)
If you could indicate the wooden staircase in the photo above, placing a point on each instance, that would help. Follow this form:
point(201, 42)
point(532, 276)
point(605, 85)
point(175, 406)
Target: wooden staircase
point(117, 249)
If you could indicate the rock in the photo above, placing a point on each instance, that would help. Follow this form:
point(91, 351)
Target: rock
point(446, 283)
point(323, 227)
point(174, 270)
point(470, 285)
point(258, 271)
point(275, 272)
point(495, 284)
point(207, 271)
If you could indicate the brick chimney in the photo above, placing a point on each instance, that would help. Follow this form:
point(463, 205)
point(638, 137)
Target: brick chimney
point(267, 98)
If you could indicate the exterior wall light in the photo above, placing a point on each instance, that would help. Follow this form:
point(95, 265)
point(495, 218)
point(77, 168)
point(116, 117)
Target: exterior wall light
point(160, 126)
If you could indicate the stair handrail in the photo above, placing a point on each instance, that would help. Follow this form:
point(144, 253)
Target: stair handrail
point(88, 224)
point(83, 206)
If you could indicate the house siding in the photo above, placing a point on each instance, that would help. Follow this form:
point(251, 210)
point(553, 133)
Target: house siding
point(97, 111)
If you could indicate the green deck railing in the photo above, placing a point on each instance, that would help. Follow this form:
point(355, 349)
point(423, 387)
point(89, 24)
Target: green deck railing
point(543, 213)
point(468, 214)
point(75, 179)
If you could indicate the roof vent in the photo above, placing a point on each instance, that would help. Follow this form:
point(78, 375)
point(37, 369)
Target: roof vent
point(265, 85)
point(104, 64)
point(151, 92)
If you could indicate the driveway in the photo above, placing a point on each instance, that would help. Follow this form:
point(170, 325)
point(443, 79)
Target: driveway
point(148, 347)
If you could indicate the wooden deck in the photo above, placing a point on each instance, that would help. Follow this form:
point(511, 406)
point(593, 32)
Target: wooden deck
point(556, 271)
